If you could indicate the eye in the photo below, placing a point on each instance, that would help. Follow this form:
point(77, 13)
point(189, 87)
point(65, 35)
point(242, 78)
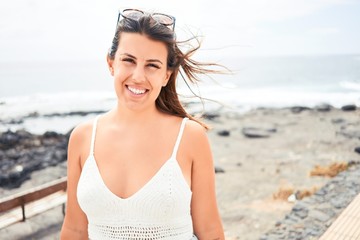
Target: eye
point(130, 60)
point(153, 65)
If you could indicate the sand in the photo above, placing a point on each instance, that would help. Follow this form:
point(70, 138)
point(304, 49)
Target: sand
point(256, 168)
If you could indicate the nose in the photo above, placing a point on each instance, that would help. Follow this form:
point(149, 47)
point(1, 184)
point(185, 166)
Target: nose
point(138, 74)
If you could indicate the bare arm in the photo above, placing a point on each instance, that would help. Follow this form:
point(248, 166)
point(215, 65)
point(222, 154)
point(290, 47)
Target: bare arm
point(206, 219)
point(75, 222)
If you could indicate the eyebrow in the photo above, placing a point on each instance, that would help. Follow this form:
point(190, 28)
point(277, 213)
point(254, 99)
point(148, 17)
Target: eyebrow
point(148, 60)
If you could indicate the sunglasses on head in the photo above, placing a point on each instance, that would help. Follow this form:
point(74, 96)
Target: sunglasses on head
point(135, 14)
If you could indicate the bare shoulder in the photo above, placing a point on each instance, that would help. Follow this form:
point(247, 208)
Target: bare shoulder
point(195, 139)
point(79, 141)
point(81, 131)
point(195, 130)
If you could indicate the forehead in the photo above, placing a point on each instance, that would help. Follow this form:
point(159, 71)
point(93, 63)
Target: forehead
point(142, 46)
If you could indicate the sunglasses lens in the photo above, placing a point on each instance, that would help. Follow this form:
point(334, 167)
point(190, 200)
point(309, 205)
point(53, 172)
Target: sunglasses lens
point(132, 14)
point(163, 19)
point(135, 14)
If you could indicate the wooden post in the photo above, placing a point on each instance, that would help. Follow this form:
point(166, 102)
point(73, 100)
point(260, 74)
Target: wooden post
point(23, 212)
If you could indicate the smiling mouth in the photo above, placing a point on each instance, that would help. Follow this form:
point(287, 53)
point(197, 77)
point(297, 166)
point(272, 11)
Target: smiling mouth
point(136, 90)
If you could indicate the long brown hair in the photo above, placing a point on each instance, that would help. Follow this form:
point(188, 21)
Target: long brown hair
point(168, 100)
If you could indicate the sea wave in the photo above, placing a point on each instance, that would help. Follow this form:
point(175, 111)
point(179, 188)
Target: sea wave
point(34, 110)
point(350, 85)
point(62, 102)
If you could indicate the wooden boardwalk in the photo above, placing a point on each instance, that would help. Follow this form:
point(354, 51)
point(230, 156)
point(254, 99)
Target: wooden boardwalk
point(347, 225)
point(20, 206)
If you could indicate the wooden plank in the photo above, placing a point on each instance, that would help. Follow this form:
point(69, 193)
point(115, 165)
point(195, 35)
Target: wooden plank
point(352, 218)
point(355, 230)
point(347, 225)
point(33, 194)
point(32, 209)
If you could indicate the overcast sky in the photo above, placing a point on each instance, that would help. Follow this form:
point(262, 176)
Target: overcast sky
point(37, 30)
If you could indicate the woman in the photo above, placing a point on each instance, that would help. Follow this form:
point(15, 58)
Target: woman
point(143, 170)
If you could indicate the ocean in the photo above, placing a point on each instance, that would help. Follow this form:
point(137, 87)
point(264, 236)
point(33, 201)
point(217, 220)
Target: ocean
point(40, 88)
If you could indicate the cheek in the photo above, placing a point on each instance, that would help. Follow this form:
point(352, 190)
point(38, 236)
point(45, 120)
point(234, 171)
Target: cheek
point(158, 75)
point(117, 85)
point(119, 77)
point(121, 73)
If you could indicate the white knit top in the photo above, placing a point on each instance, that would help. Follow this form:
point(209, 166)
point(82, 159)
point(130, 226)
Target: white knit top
point(159, 210)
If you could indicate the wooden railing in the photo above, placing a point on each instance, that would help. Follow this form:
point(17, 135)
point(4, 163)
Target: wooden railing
point(52, 193)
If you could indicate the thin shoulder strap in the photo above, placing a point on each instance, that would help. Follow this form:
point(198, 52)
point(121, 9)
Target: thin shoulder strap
point(182, 127)
point(93, 135)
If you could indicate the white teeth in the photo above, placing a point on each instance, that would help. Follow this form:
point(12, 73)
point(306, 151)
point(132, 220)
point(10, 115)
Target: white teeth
point(137, 91)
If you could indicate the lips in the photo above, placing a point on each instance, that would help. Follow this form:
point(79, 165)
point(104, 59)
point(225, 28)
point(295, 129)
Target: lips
point(137, 91)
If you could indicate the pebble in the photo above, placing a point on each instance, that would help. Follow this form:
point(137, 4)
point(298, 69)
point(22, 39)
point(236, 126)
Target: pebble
point(224, 133)
point(317, 212)
point(219, 170)
point(357, 150)
point(255, 132)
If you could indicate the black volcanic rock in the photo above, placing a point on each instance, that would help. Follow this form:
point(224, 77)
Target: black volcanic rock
point(323, 107)
point(350, 107)
point(357, 150)
point(224, 133)
point(256, 132)
point(21, 153)
point(299, 109)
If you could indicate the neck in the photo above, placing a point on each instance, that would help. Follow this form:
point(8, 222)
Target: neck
point(132, 117)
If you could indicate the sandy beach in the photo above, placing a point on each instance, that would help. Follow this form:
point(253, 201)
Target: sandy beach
point(256, 154)
point(257, 168)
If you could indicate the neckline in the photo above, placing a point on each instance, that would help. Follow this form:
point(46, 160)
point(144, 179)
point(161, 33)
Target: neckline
point(137, 192)
point(175, 149)
point(173, 156)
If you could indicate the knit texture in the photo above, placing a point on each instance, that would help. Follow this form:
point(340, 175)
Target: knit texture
point(159, 210)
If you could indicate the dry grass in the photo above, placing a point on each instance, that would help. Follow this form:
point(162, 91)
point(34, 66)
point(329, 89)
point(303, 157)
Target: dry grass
point(329, 171)
point(325, 171)
point(305, 193)
point(285, 192)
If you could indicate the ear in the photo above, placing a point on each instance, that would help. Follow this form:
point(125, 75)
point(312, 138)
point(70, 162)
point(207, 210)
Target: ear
point(110, 65)
point(167, 77)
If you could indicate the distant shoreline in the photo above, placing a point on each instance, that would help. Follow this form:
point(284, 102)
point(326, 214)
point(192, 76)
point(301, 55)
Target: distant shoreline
point(38, 122)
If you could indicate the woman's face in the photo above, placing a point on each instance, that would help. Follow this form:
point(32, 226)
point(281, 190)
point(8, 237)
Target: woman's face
point(139, 70)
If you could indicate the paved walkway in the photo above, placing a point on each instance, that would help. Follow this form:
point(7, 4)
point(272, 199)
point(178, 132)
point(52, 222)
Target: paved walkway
point(45, 226)
point(347, 225)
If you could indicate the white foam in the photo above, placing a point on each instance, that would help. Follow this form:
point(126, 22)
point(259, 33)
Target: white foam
point(15, 107)
point(279, 97)
point(350, 85)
